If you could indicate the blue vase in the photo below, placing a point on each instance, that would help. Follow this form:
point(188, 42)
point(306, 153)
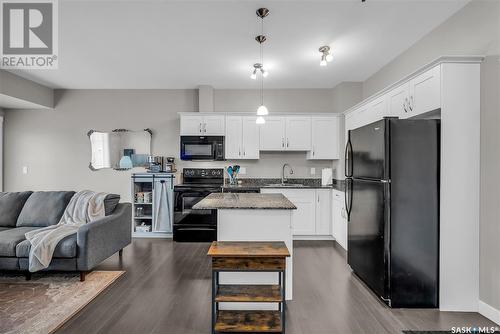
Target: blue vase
point(125, 162)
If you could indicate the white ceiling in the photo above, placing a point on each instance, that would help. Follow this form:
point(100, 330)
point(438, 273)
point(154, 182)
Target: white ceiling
point(182, 44)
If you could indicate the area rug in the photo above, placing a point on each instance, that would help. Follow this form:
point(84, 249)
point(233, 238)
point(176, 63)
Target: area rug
point(45, 303)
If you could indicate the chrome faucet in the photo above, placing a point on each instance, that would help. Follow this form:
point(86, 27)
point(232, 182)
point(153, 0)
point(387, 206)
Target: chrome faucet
point(283, 178)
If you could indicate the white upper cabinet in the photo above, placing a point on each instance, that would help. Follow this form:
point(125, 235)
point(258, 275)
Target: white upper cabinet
point(425, 92)
point(377, 109)
point(242, 138)
point(397, 101)
point(298, 133)
point(202, 125)
point(214, 125)
point(414, 97)
point(286, 133)
point(251, 138)
point(325, 138)
point(272, 134)
point(191, 125)
point(234, 137)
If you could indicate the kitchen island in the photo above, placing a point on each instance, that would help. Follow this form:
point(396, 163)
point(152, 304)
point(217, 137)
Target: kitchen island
point(253, 217)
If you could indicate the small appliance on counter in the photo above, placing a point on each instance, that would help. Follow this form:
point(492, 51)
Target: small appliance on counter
point(169, 166)
point(159, 164)
point(326, 176)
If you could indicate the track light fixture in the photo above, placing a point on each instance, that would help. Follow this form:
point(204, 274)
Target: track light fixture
point(326, 56)
point(257, 67)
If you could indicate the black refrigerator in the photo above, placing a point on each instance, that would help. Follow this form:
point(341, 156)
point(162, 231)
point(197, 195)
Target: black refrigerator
point(392, 202)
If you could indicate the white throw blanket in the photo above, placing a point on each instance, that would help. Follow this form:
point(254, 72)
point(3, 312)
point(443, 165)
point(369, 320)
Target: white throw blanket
point(84, 207)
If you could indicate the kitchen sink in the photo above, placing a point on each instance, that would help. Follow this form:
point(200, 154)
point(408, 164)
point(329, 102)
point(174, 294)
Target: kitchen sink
point(285, 185)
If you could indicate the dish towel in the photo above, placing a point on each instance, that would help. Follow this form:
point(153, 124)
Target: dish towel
point(85, 206)
point(162, 221)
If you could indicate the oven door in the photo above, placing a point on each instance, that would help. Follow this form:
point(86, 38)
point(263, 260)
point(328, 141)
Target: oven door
point(184, 213)
point(194, 225)
point(202, 148)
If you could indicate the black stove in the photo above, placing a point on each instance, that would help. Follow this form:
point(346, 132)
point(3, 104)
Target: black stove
point(196, 225)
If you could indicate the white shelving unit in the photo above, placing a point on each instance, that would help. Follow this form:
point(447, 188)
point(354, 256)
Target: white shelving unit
point(148, 183)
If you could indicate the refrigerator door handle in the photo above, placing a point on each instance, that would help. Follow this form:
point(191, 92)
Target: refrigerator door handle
point(348, 199)
point(348, 161)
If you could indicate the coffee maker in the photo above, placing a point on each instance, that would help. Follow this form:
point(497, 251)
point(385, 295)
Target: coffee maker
point(169, 166)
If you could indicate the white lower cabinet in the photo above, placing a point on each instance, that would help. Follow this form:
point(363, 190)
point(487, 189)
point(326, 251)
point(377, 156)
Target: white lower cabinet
point(323, 212)
point(312, 218)
point(339, 216)
point(304, 218)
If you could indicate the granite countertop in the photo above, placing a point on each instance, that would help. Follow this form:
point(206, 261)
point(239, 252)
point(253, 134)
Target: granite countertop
point(244, 201)
point(257, 183)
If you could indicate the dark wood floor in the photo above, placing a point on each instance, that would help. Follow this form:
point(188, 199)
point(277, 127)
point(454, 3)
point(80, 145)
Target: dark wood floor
point(166, 289)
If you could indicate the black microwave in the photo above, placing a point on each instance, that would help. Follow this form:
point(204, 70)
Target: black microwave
point(202, 148)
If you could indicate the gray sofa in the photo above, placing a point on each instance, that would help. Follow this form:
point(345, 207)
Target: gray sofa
point(21, 212)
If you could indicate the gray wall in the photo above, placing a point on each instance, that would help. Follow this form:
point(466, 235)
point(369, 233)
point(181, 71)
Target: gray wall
point(276, 100)
point(344, 96)
point(54, 146)
point(15, 86)
point(474, 30)
point(489, 265)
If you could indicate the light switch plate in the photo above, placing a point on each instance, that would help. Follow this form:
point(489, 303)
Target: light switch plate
point(25, 169)
point(313, 171)
point(242, 171)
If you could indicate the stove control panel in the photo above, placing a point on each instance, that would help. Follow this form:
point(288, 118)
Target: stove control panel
point(205, 173)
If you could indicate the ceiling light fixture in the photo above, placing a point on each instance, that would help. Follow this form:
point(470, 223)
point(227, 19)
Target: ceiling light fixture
point(257, 67)
point(326, 56)
point(262, 109)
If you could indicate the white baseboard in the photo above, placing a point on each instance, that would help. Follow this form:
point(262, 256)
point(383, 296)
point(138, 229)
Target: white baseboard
point(313, 237)
point(489, 312)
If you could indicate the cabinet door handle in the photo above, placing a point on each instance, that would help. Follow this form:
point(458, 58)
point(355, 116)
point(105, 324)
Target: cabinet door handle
point(318, 198)
point(287, 142)
point(239, 151)
point(410, 103)
point(200, 127)
point(313, 151)
point(204, 127)
point(404, 104)
point(282, 142)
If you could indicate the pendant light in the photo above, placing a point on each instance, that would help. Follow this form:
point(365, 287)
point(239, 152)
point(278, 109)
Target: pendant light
point(262, 109)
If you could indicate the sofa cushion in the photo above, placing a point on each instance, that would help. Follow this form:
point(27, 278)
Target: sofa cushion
point(10, 238)
point(66, 248)
point(4, 228)
point(11, 204)
point(44, 208)
point(110, 203)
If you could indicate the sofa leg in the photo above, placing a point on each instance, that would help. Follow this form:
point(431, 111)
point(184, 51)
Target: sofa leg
point(120, 252)
point(28, 276)
point(82, 276)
